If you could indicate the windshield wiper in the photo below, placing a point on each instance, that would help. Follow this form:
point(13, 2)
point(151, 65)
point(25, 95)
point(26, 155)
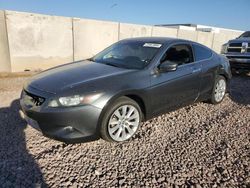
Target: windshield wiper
point(111, 64)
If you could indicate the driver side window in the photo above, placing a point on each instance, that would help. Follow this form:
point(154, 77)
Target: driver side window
point(180, 54)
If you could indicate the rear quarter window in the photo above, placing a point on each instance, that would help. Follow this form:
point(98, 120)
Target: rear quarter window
point(201, 53)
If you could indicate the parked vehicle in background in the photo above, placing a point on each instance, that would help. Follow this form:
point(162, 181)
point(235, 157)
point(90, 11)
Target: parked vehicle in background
point(238, 52)
point(133, 80)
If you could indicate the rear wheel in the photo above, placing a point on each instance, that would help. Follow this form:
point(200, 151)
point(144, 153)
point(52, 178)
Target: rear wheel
point(219, 90)
point(121, 120)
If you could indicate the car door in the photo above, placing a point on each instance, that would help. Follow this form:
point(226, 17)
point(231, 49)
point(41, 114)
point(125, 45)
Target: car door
point(170, 90)
point(204, 57)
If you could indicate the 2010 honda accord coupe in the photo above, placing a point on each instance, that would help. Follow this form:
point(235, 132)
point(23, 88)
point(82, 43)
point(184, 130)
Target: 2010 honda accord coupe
point(133, 80)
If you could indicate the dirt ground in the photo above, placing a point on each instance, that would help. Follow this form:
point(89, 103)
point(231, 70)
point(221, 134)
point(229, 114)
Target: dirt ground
point(201, 145)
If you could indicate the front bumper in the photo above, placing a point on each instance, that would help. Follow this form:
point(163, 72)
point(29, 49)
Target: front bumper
point(70, 124)
point(239, 62)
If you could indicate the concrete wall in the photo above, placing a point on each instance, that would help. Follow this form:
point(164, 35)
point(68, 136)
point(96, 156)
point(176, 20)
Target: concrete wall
point(4, 46)
point(132, 30)
point(164, 32)
point(189, 35)
point(205, 38)
point(223, 37)
point(33, 41)
point(38, 41)
point(92, 36)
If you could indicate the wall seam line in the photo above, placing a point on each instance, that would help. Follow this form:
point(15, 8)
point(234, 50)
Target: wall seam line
point(73, 39)
point(119, 27)
point(212, 47)
point(7, 36)
point(178, 33)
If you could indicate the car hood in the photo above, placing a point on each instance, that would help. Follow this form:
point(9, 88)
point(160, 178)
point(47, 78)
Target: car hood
point(73, 74)
point(240, 40)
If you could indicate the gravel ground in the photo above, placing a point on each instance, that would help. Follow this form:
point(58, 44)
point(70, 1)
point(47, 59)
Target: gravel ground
point(197, 146)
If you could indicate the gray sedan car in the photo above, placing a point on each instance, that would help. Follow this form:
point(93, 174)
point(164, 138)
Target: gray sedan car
point(133, 80)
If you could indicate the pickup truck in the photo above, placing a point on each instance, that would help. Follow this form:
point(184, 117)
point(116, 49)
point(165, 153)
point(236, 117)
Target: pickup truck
point(238, 52)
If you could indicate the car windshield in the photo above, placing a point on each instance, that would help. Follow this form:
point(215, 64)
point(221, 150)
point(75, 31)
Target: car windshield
point(128, 54)
point(245, 35)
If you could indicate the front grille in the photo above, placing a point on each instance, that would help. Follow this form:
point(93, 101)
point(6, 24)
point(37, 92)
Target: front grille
point(237, 47)
point(238, 50)
point(34, 99)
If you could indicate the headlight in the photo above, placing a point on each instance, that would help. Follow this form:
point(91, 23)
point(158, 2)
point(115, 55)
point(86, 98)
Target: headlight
point(224, 48)
point(74, 100)
point(71, 101)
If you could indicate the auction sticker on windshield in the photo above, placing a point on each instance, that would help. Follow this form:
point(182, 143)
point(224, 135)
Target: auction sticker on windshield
point(152, 45)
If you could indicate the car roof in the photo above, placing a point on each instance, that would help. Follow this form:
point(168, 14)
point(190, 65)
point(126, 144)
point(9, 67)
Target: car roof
point(162, 40)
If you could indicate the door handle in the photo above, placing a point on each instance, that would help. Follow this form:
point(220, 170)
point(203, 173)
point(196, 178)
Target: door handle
point(196, 70)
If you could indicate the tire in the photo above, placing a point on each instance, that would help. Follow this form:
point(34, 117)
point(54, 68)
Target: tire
point(116, 127)
point(219, 90)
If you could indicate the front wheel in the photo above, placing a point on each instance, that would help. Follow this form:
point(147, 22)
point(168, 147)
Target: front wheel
point(121, 120)
point(219, 90)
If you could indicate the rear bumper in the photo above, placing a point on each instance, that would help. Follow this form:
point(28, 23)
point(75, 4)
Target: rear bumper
point(70, 125)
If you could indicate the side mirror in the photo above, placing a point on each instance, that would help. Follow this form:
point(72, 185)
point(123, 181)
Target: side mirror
point(168, 66)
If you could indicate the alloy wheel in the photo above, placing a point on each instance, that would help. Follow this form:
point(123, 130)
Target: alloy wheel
point(123, 123)
point(220, 90)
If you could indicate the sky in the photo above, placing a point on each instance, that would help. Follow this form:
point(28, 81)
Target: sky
point(232, 14)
